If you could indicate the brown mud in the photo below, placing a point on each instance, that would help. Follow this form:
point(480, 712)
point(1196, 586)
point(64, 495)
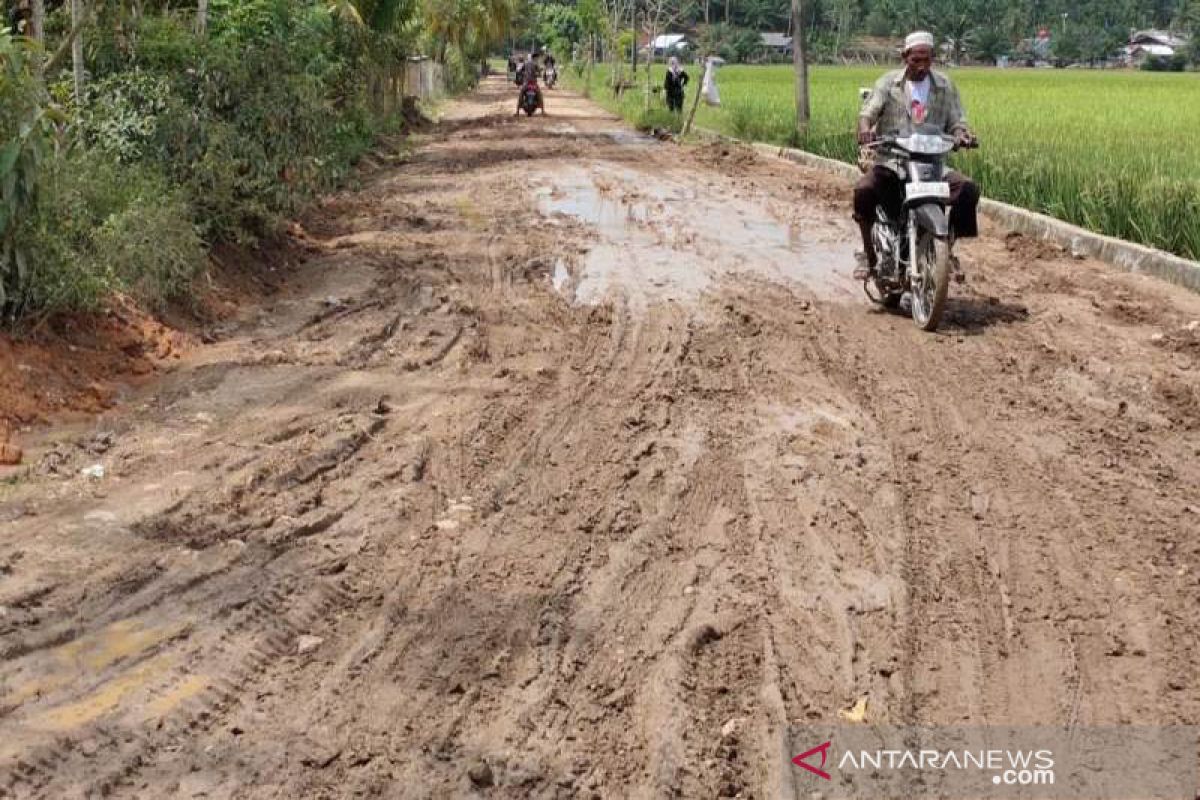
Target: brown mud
point(572, 463)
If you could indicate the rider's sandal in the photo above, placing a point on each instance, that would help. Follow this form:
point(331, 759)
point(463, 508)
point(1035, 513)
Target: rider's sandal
point(862, 269)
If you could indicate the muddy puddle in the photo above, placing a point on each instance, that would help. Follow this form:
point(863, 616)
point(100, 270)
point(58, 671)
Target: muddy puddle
point(660, 239)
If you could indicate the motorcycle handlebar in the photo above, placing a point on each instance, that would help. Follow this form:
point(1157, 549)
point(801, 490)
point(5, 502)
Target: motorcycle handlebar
point(885, 141)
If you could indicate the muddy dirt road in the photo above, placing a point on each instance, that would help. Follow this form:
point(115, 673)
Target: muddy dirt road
point(571, 463)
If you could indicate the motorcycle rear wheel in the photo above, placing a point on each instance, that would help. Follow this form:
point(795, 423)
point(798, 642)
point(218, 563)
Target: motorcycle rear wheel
point(933, 281)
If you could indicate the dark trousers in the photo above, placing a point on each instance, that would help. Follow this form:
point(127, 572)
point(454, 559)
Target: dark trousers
point(675, 101)
point(881, 186)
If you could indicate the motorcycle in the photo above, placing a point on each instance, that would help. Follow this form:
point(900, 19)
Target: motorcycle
point(551, 77)
point(530, 99)
point(915, 252)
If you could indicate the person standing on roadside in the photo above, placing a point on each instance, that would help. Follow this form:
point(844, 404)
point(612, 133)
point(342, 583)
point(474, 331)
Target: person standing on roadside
point(674, 84)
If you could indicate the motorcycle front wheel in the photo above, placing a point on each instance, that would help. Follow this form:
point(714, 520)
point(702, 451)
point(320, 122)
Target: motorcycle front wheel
point(932, 281)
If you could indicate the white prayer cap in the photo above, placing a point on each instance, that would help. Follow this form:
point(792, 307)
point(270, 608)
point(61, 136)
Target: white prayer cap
point(918, 38)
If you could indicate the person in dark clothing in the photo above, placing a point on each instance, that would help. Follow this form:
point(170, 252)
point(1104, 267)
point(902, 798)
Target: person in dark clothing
point(19, 17)
point(674, 84)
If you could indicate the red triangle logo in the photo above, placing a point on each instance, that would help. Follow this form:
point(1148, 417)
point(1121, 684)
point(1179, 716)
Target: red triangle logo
point(823, 749)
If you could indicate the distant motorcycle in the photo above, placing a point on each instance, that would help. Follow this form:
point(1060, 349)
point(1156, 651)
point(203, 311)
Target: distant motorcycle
point(916, 251)
point(551, 77)
point(531, 99)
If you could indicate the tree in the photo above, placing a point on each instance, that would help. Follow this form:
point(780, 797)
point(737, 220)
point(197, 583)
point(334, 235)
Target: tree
point(840, 14)
point(800, 63)
point(759, 15)
point(988, 44)
point(77, 48)
point(1067, 47)
point(37, 20)
point(730, 43)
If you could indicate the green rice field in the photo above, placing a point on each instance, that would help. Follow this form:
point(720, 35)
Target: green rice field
point(1114, 151)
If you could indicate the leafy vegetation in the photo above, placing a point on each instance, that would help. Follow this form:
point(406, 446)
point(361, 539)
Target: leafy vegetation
point(982, 31)
point(177, 128)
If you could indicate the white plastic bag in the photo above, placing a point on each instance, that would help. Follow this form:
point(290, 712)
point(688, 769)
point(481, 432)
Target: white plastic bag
point(708, 87)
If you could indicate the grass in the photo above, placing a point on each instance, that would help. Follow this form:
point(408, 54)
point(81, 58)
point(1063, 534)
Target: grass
point(1113, 151)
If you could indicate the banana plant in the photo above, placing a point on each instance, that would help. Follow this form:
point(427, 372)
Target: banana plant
point(27, 126)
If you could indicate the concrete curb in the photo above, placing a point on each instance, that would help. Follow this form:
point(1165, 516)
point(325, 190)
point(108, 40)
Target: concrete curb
point(1078, 241)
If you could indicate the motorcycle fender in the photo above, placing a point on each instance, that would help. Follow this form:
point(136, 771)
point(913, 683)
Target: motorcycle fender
point(932, 217)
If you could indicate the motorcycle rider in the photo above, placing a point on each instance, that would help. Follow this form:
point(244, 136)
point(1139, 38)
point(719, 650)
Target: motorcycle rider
point(914, 98)
point(527, 79)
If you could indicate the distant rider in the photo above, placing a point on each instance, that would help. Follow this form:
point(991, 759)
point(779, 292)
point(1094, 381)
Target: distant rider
point(528, 77)
point(912, 99)
point(674, 85)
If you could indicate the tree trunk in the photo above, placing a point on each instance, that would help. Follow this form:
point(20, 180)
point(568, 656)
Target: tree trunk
point(687, 126)
point(633, 57)
point(649, 63)
point(801, 65)
point(37, 20)
point(201, 16)
point(77, 48)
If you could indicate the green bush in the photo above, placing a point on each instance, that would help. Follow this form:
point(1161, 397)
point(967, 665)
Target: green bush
point(658, 117)
point(251, 123)
point(180, 140)
point(104, 227)
point(120, 114)
point(166, 44)
point(1175, 63)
